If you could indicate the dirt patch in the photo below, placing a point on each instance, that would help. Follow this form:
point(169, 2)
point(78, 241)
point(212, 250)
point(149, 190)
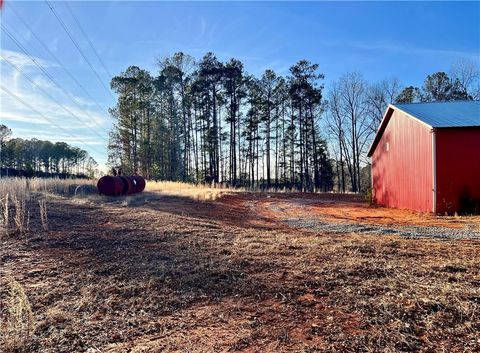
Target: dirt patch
point(357, 211)
point(154, 273)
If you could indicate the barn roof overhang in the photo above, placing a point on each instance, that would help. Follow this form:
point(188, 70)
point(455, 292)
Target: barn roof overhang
point(383, 125)
point(433, 115)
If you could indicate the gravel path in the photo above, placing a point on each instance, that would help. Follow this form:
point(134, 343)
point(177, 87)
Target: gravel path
point(404, 231)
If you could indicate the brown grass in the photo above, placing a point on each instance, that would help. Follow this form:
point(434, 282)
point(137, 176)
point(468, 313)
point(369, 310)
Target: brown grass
point(43, 214)
point(21, 199)
point(17, 319)
point(22, 187)
point(173, 274)
point(196, 192)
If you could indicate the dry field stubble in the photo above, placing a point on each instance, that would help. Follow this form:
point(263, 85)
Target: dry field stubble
point(166, 272)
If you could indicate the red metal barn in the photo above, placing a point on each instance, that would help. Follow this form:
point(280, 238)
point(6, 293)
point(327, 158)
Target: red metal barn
point(426, 157)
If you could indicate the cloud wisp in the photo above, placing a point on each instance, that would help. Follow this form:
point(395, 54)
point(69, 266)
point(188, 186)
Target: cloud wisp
point(57, 105)
point(400, 49)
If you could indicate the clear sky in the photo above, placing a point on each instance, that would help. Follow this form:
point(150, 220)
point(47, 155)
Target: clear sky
point(379, 39)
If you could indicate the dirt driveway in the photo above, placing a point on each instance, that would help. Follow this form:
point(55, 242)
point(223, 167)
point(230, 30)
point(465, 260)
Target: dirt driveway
point(349, 213)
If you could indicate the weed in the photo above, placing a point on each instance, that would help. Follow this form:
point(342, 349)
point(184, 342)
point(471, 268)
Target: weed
point(43, 213)
point(5, 216)
point(17, 326)
point(16, 195)
point(22, 215)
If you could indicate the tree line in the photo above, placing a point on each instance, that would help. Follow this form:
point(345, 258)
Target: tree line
point(463, 83)
point(43, 158)
point(211, 121)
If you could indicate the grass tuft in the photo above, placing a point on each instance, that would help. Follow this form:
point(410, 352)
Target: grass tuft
point(17, 318)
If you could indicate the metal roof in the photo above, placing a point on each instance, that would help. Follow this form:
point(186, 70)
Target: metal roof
point(445, 114)
point(436, 115)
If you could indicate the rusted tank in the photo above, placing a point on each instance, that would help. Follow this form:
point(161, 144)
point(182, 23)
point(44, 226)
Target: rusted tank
point(110, 185)
point(128, 183)
point(120, 185)
point(139, 183)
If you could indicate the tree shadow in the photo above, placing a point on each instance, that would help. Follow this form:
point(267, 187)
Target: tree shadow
point(178, 260)
point(235, 209)
point(133, 267)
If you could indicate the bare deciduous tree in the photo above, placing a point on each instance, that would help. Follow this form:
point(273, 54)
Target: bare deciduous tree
point(351, 121)
point(467, 75)
point(379, 96)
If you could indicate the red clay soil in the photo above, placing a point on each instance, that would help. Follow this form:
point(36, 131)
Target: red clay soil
point(169, 274)
point(352, 209)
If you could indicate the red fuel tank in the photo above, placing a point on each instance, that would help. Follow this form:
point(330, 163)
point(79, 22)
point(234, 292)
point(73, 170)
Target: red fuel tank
point(139, 183)
point(110, 185)
point(120, 185)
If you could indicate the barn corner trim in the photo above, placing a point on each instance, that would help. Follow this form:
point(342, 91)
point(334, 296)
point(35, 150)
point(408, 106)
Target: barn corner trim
point(383, 125)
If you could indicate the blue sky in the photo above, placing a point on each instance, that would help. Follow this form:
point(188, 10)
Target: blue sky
point(379, 39)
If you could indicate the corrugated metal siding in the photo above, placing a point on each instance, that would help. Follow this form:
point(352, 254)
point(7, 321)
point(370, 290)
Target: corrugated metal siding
point(402, 175)
point(458, 169)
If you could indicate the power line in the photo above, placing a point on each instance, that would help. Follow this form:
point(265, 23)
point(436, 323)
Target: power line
point(64, 26)
point(48, 76)
point(88, 39)
point(55, 57)
point(49, 96)
point(6, 90)
point(45, 72)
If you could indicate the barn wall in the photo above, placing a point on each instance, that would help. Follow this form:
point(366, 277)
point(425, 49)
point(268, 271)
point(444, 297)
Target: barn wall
point(458, 170)
point(402, 176)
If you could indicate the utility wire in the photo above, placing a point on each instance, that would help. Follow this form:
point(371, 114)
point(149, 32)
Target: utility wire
point(88, 39)
point(45, 47)
point(6, 90)
point(64, 26)
point(46, 74)
point(49, 96)
point(56, 101)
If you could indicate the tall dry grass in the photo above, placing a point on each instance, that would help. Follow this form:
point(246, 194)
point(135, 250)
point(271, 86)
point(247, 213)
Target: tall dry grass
point(194, 191)
point(207, 191)
point(22, 187)
point(21, 217)
point(18, 200)
point(43, 213)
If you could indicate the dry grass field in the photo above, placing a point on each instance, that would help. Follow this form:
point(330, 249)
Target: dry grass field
point(183, 269)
